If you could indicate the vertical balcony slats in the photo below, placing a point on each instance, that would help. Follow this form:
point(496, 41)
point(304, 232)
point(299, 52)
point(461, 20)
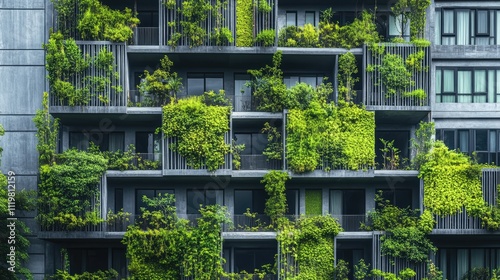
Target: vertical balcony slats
point(376, 94)
point(264, 21)
point(109, 93)
point(390, 264)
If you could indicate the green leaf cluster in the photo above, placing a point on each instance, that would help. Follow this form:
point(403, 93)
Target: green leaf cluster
point(412, 12)
point(244, 23)
point(199, 129)
point(404, 274)
point(110, 274)
point(47, 132)
point(452, 182)
point(266, 38)
point(162, 85)
point(67, 188)
point(309, 241)
point(276, 205)
point(329, 136)
point(314, 202)
point(68, 72)
point(346, 78)
point(330, 34)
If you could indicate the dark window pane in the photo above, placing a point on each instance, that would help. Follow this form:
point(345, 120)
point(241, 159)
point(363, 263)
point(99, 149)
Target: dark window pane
point(403, 198)
point(291, 18)
point(292, 199)
point(449, 139)
point(310, 18)
point(259, 201)
point(194, 200)
point(144, 142)
point(116, 141)
point(195, 86)
point(120, 262)
point(463, 141)
point(246, 139)
point(214, 83)
point(210, 198)
point(482, 22)
point(259, 143)
point(79, 141)
point(118, 199)
point(139, 203)
point(97, 259)
point(353, 202)
point(242, 201)
point(481, 140)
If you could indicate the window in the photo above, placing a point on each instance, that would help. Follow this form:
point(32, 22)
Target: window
point(90, 260)
point(254, 200)
point(312, 80)
point(118, 199)
point(399, 28)
point(291, 18)
point(197, 84)
point(242, 93)
point(113, 141)
point(148, 145)
point(201, 198)
point(401, 198)
point(467, 27)
point(293, 202)
point(248, 259)
point(310, 18)
point(455, 262)
point(464, 85)
point(150, 193)
point(484, 142)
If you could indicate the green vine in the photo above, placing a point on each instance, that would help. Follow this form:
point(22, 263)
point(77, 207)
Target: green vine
point(266, 38)
point(274, 148)
point(47, 132)
point(347, 81)
point(276, 205)
point(244, 23)
point(199, 129)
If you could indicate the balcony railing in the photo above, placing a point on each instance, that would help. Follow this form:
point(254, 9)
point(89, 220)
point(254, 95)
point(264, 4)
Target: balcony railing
point(250, 223)
point(461, 221)
point(350, 222)
point(147, 36)
point(244, 104)
point(259, 162)
point(111, 94)
point(376, 92)
point(174, 161)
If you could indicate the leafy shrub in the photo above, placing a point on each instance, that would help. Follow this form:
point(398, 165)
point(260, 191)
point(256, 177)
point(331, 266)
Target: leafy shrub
point(266, 38)
point(110, 274)
point(162, 85)
point(244, 23)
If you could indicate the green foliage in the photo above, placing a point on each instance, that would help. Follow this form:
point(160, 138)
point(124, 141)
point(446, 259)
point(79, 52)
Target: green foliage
point(274, 148)
point(330, 136)
point(110, 274)
point(69, 72)
point(361, 31)
point(451, 182)
point(199, 129)
point(293, 36)
point(422, 143)
point(47, 132)
point(310, 242)
point(477, 273)
point(314, 202)
point(361, 270)
point(263, 6)
point(406, 273)
point(67, 188)
point(98, 22)
point(330, 35)
point(433, 272)
point(162, 85)
point(347, 81)
point(212, 98)
point(342, 270)
point(390, 155)
point(276, 205)
point(222, 36)
point(236, 152)
point(412, 12)
point(244, 23)
point(394, 74)
point(266, 38)
point(125, 160)
point(268, 87)
point(406, 232)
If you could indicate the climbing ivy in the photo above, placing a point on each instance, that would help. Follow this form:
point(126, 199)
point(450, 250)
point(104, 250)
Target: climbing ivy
point(47, 132)
point(330, 136)
point(309, 242)
point(451, 182)
point(347, 80)
point(244, 23)
point(314, 202)
point(199, 129)
point(276, 205)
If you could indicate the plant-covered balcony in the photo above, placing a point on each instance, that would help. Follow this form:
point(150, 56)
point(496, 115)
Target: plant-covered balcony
point(85, 76)
point(197, 135)
point(397, 76)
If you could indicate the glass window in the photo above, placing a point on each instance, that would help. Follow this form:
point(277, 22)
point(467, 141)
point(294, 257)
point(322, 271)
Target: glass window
point(79, 141)
point(118, 199)
point(242, 93)
point(291, 18)
point(481, 140)
point(254, 200)
point(150, 193)
point(463, 141)
point(201, 198)
point(482, 24)
point(311, 18)
point(464, 86)
point(116, 141)
point(449, 139)
point(293, 201)
point(197, 84)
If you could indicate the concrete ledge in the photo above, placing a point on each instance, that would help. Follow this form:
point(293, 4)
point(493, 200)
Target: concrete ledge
point(256, 115)
point(249, 173)
point(397, 108)
point(489, 52)
point(88, 109)
point(249, 235)
point(319, 51)
point(133, 173)
point(335, 174)
point(201, 49)
point(396, 173)
point(144, 110)
point(355, 235)
point(196, 172)
point(464, 232)
point(71, 235)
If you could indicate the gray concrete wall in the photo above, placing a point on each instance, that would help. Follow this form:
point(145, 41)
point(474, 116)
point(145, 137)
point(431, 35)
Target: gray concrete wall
point(22, 80)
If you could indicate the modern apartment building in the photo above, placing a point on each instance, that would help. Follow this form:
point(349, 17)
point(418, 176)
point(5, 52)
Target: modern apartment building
point(459, 74)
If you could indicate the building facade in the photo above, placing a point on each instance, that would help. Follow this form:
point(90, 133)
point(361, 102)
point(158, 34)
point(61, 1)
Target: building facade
point(459, 74)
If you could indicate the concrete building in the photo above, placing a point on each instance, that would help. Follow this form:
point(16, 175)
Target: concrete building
point(463, 94)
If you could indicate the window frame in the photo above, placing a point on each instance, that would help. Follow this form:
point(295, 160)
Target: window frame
point(204, 76)
point(440, 93)
point(286, 18)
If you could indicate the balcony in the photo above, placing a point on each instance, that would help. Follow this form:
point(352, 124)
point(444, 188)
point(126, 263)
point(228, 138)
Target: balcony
point(259, 162)
point(250, 223)
point(146, 36)
point(100, 90)
point(351, 222)
point(397, 78)
point(175, 164)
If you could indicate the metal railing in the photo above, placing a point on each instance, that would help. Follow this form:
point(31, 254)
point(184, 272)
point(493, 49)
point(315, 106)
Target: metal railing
point(458, 221)
point(97, 94)
point(259, 162)
point(244, 103)
point(174, 161)
point(250, 223)
point(147, 36)
point(351, 222)
point(375, 91)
